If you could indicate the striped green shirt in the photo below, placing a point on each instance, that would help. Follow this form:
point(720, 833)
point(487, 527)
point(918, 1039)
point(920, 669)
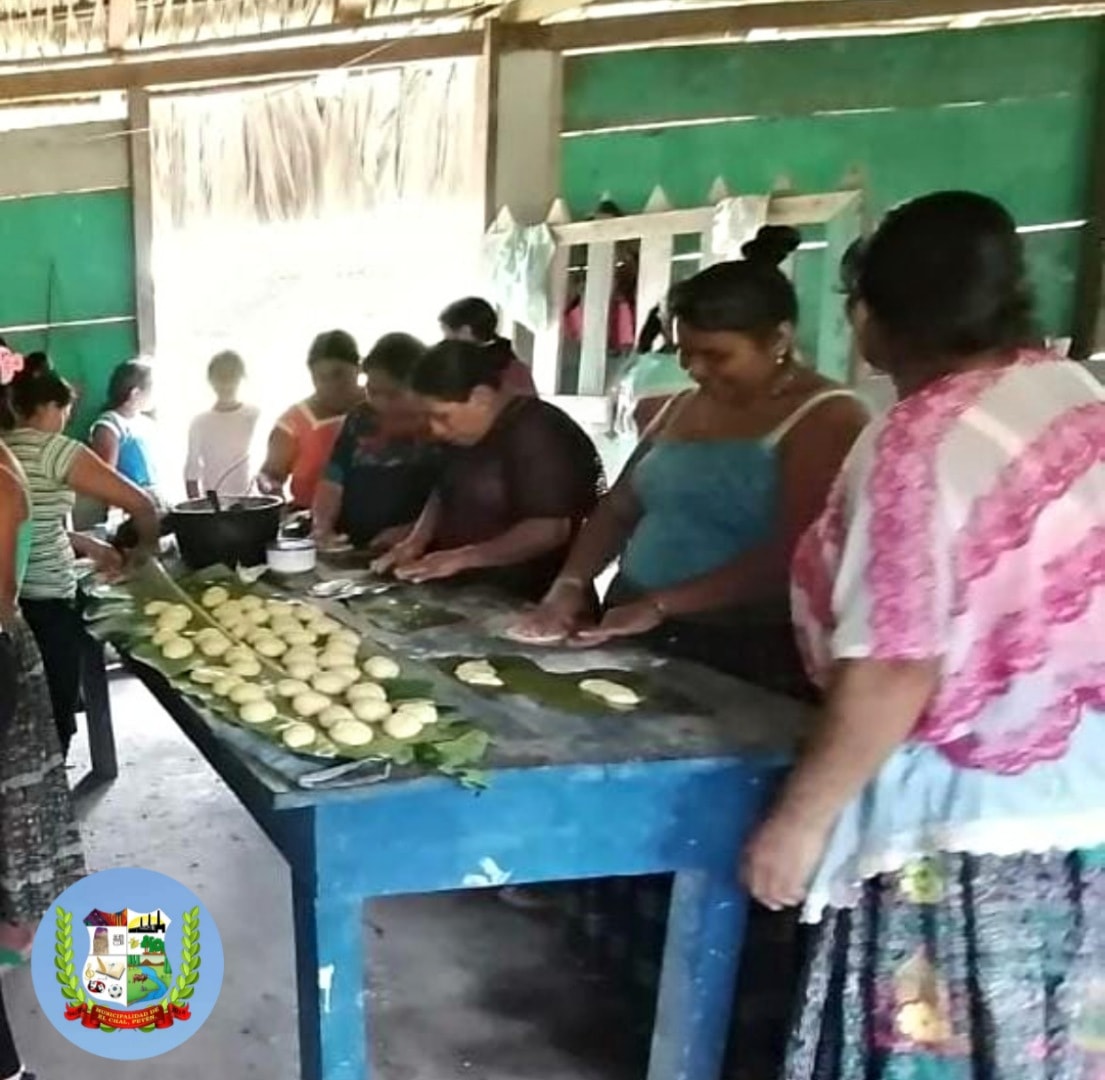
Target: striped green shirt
point(46, 461)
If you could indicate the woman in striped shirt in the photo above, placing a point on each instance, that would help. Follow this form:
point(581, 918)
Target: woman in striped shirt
point(57, 468)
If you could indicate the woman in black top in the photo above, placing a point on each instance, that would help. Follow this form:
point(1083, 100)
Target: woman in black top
point(519, 479)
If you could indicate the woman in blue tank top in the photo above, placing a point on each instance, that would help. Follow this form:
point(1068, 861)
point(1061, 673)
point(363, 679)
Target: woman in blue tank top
point(707, 512)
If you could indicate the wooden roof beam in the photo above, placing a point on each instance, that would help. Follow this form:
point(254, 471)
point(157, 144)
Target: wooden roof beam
point(526, 11)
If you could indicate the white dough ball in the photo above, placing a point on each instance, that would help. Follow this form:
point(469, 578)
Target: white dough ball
point(402, 725)
point(366, 691)
point(349, 638)
point(206, 676)
point(213, 646)
point(291, 688)
point(165, 633)
point(156, 607)
point(348, 675)
point(257, 712)
point(381, 667)
point(334, 658)
point(310, 703)
point(177, 648)
point(298, 637)
point(334, 714)
point(249, 668)
point(226, 684)
point(611, 692)
point(303, 670)
point(326, 682)
point(251, 603)
point(282, 625)
point(324, 626)
point(370, 710)
point(304, 613)
point(351, 733)
point(298, 736)
point(425, 712)
point(270, 646)
point(247, 692)
point(214, 597)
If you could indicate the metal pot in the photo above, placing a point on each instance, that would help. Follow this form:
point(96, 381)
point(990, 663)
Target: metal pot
point(238, 533)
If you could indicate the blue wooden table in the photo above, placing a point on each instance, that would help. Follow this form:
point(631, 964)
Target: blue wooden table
point(569, 798)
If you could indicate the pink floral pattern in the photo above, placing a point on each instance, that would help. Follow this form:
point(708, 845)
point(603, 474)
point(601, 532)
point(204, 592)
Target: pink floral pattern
point(1033, 634)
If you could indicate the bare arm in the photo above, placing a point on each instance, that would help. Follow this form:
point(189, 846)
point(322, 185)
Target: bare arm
point(279, 459)
point(413, 545)
point(89, 476)
point(13, 512)
point(872, 708)
point(326, 508)
point(105, 444)
point(522, 542)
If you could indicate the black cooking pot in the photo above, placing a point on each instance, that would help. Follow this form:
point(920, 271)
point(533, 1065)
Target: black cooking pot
point(237, 533)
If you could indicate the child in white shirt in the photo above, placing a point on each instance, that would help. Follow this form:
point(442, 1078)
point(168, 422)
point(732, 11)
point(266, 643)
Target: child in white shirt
point(221, 440)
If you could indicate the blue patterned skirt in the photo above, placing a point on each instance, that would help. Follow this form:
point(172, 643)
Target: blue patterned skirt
point(960, 967)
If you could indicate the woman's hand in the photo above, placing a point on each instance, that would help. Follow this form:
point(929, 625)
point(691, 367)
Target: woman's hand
point(390, 537)
point(626, 620)
point(556, 617)
point(438, 565)
point(107, 559)
point(405, 553)
point(781, 858)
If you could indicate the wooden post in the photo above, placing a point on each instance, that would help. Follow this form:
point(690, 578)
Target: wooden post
point(141, 183)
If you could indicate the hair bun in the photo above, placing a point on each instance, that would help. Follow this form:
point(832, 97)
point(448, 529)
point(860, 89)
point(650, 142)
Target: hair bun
point(772, 245)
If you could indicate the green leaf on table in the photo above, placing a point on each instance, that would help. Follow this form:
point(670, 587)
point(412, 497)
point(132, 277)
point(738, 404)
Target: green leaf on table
point(409, 689)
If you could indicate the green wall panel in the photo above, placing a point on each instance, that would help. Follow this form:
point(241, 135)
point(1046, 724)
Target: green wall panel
point(1030, 61)
point(1030, 154)
point(78, 247)
point(86, 356)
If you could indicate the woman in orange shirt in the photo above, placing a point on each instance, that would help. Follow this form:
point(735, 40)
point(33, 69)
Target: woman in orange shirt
point(302, 440)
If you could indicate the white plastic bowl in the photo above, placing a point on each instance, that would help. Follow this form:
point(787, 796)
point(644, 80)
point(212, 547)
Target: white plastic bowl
point(292, 556)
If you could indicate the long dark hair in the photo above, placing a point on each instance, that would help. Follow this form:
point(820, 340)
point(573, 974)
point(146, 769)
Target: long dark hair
point(36, 386)
point(334, 345)
point(396, 355)
point(750, 296)
point(451, 370)
point(481, 319)
point(127, 377)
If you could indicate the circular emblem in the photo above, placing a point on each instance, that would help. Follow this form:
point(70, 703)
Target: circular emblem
point(128, 964)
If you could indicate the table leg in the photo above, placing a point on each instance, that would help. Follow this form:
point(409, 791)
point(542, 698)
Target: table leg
point(701, 957)
point(97, 710)
point(330, 972)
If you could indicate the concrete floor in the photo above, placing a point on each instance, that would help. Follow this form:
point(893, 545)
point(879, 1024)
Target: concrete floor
point(461, 985)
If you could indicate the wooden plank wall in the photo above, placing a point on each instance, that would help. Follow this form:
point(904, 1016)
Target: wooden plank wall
point(1007, 111)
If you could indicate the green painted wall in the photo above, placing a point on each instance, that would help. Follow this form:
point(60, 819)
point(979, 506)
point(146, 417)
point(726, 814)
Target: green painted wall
point(1006, 111)
point(71, 260)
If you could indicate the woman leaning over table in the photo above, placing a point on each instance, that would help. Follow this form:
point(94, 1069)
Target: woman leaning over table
point(57, 469)
point(705, 515)
point(945, 828)
point(520, 477)
point(40, 845)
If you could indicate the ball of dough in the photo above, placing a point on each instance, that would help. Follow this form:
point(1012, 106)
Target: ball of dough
point(381, 667)
point(425, 712)
point(298, 736)
point(351, 733)
point(249, 668)
point(280, 608)
point(291, 688)
point(177, 648)
point(258, 616)
point(270, 646)
point(348, 675)
point(370, 710)
point(304, 613)
point(227, 612)
point(156, 607)
point(611, 692)
point(206, 676)
point(299, 637)
point(326, 682)
point(402, 725)
point(251, 603)
point(335, 659)
point(214, 646)
point(350, 639)
point(214, 597)
point(324, 626)
point(303, 670)
point(369, 691)
point(165, 633)
point(173, 618)
point(334, 714)
point(226, 684)
point(246, 692)
point(239, 652)
point(282, 625)
point(257, 712)
point(310, 703)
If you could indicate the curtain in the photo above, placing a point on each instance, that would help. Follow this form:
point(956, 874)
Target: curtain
point(283, 212)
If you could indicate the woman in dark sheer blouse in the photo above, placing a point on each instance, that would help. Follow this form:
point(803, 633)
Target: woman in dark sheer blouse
point(519, 480)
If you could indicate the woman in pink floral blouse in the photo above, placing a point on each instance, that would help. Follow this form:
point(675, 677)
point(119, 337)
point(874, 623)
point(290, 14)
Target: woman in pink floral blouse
point(945, 828)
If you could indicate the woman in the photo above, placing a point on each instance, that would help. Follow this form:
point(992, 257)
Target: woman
point(514, 493)
point(303, 439)
point(40, 848)
point(945, 828)
point(384, 467)
point(122, 434)
point(57, 469)
point(706, 513)
point(475, 320)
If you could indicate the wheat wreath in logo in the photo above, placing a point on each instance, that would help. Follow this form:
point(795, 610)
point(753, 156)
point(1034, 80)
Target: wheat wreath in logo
point(118, 974)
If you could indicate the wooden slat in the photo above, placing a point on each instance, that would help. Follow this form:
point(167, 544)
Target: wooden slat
point(547, 339)
point(127, 73)
point(596, 316)
point(653, 274)
point(138, 117)
point(736, 20)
